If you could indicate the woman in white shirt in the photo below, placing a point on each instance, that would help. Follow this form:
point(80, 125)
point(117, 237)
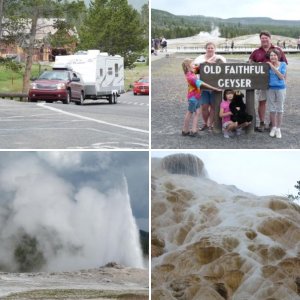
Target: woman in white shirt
point(207, 96)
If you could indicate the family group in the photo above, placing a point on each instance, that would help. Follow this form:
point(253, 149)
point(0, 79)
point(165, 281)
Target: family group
point(201, 95)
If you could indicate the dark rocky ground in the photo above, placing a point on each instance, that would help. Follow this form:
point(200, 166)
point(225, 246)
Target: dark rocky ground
point(168, 106)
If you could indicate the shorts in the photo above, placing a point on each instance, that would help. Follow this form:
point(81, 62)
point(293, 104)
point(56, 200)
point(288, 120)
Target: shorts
point(276, 100)
point(194, 104)
point(261, 95)
point(207, 97)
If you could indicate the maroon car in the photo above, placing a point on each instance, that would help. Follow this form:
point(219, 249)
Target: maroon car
point(57, 85)
point(141, 86)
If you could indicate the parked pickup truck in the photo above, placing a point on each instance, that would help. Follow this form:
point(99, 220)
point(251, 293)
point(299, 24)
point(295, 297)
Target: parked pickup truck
point(57, 85)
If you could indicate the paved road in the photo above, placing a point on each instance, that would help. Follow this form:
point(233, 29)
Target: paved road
point(95, 125)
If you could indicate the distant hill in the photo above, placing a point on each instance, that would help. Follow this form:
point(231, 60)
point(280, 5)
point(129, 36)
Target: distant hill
point(263, 21)
point(175, 26)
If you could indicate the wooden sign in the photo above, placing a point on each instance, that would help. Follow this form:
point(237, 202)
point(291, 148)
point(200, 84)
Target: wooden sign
point(236, 75)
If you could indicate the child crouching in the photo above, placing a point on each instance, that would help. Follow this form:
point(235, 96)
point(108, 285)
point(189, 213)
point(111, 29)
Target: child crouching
point(239, 114)
point(228, 126)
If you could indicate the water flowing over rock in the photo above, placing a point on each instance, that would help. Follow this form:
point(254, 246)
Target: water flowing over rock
point(183, 164)
point(215, 242)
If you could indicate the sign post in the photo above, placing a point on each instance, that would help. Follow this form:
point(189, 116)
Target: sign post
point(236, 76)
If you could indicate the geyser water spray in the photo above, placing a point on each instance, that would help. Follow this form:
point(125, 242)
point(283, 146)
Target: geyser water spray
point(48, 224)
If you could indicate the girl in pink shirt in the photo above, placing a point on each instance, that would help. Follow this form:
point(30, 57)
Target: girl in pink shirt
point(228, 126)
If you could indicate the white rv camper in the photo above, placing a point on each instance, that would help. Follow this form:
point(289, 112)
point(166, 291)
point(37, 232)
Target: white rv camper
point(103, 74)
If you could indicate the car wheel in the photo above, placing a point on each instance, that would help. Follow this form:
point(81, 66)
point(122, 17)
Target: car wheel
point(68, 100)
point(32, 100)
point(80, 102)
point(134, 94)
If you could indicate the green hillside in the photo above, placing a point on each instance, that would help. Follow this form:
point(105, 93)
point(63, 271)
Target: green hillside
point(176, 26)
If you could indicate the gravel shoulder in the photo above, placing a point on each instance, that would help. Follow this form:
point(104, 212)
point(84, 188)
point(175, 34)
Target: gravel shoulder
point(168, 106)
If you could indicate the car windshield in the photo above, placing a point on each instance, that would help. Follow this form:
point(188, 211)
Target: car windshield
point(144, 80)
point(54, 75)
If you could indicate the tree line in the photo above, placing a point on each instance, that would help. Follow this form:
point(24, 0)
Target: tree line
point(111, 26)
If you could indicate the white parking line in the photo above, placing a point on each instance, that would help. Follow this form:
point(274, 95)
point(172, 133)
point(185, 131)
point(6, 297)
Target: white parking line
point(112, 145)
point(134, 103)
point(43, 105)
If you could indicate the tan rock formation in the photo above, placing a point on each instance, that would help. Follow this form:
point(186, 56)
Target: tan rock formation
point(215, 242)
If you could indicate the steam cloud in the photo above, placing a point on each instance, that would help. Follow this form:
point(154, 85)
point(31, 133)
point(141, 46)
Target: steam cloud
point(57, 213)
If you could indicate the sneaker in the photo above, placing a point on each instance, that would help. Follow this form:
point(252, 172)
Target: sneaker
point(239, 131)
point(193, 134)
point(278, 133)
point(273, 131)
point(270, 126)
point(231, 134)
point(261, 127)
point(226, 135)
point(204, 127)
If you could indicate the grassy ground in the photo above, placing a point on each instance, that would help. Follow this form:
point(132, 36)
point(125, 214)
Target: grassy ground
point(140, 70)
point(12, 82)
point(78, 294)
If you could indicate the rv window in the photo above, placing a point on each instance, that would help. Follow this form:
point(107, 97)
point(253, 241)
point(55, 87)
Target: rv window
point(109, 71)
point(116, 70)
point(101, 72)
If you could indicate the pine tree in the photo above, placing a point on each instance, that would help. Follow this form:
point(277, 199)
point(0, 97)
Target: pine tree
point(295, 197)
point(115, 27)
point(25, 14)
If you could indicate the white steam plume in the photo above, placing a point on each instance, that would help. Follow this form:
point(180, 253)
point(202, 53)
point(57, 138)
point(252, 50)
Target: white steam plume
point(74, 227)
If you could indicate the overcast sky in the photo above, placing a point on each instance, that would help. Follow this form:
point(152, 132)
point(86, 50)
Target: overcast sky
point(261, 172)
point(101, 171)
point(275, 9)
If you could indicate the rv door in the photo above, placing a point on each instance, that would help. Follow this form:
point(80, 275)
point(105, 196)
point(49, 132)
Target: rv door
point(110, 74)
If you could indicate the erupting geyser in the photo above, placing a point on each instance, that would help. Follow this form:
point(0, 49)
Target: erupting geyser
point(46, 224)
point(215, 242)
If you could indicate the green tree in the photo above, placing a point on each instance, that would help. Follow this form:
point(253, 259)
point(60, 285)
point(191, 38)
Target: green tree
point(113, 26)
point(295, 197)
point(27, 254)
point(63, 36)
point(145, 19)
point(10, 64)
point(24, 14)
point(1, 15)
